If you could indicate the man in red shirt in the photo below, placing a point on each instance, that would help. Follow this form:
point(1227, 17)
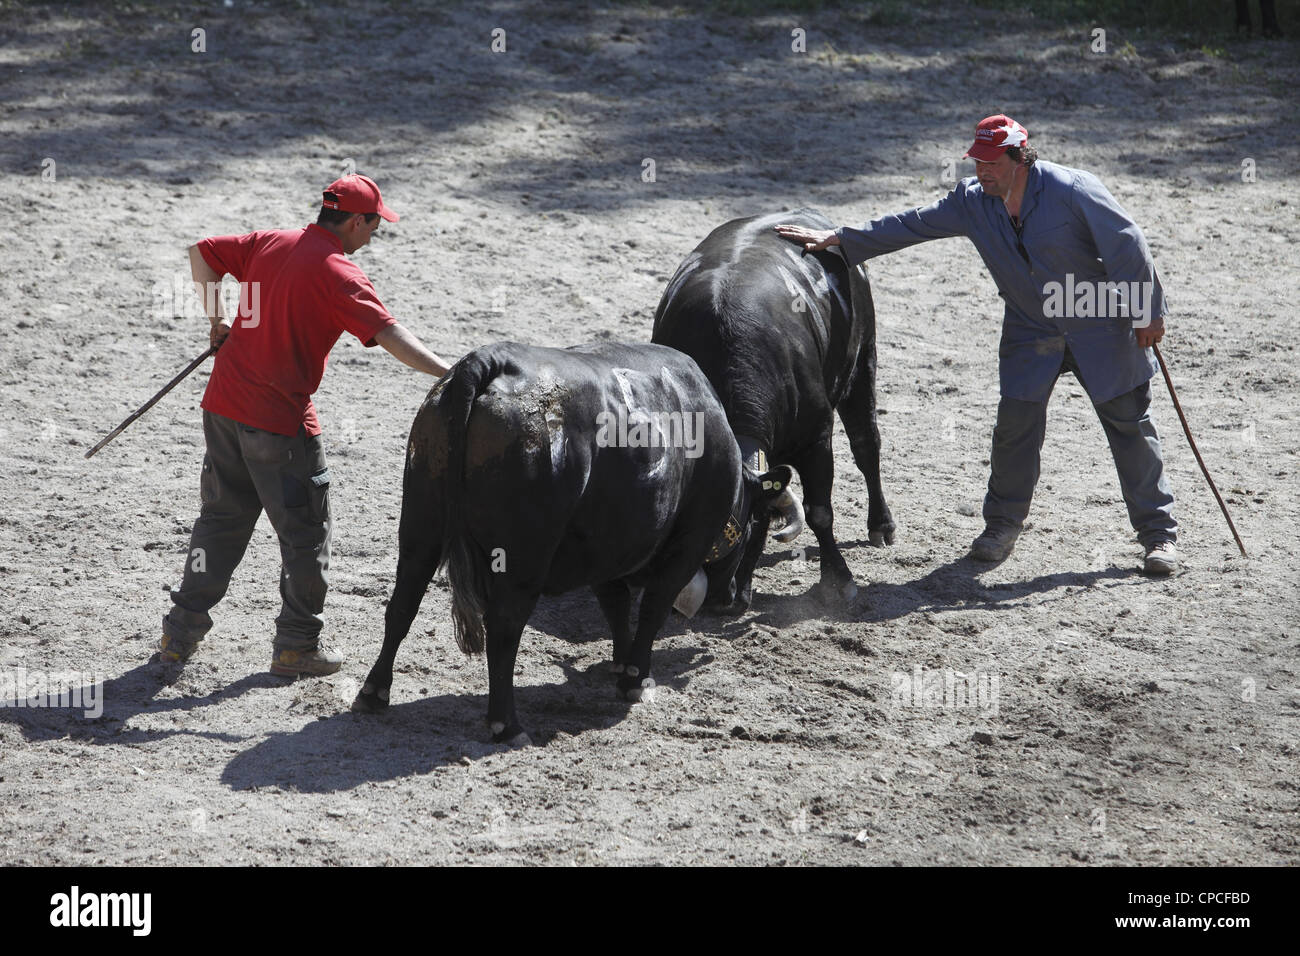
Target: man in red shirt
point(298, 293)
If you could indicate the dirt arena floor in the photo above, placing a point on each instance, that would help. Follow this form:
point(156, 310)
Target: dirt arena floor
point(1068, 709)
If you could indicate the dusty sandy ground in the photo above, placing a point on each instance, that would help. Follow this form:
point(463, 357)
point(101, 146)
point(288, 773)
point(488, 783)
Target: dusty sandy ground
point(1134, 721)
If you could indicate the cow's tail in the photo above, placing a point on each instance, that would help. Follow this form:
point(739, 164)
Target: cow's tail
point(467, 564)
point(467, 571)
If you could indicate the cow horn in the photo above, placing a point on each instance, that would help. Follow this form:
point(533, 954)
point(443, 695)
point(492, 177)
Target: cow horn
point(787, 506)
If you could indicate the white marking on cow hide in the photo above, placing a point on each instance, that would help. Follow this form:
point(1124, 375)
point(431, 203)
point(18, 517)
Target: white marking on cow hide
point(691, 263)
point(793, 287)
point(625, 387)
point(636, 412)
point(659, 467)
point(555, 425)
point(670, 383)
point(816, 278)
point(791, 284)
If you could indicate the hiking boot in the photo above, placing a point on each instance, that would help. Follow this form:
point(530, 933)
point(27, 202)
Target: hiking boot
point(1162, 558)
point(173, 651)
point(313, 663)
point(995, 544)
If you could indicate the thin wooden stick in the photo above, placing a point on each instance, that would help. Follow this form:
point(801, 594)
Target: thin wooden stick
point(150, 404)
point(1191, 441)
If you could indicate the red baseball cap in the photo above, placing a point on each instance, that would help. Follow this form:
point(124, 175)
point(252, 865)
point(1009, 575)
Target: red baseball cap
point(357, 194)
point(994, 135)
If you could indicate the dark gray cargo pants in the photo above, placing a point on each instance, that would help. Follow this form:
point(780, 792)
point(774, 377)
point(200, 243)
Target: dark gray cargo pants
point(244, 471)
point(1134, 443)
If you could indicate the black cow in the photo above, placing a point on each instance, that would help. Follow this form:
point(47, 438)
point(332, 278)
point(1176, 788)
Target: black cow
point(786, 338)
point(535, 471)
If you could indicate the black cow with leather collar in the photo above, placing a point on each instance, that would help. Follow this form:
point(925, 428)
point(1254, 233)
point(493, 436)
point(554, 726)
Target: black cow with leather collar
point(786, 339)
point(535, 471)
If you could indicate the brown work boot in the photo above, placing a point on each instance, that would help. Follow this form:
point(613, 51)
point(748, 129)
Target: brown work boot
point(1162, 558)
point(173, 651)
point(995, 544)
point(313, 663)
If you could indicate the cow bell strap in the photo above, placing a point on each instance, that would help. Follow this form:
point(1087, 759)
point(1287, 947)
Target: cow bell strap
point(729, 537)
point(726, 540)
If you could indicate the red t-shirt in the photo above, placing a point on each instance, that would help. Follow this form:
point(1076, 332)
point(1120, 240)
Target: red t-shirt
point(298, 294)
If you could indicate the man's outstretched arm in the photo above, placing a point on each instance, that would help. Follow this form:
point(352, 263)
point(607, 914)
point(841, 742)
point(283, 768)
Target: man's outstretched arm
point(939, 220)
point(398, 341)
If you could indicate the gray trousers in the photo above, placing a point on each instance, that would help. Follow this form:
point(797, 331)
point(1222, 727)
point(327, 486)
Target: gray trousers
point(1134, 443)
point(244, 471)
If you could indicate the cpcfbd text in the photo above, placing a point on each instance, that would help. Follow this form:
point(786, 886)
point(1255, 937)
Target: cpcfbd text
point(1162, 899)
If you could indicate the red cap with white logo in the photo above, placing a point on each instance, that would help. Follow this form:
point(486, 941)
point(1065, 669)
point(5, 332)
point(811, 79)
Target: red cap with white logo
point(357, 194)
point(994, 135)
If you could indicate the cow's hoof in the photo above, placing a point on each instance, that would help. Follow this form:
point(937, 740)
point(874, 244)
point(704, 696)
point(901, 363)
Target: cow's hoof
point(370, 701)
point(510, 736)
point(830, 593)
point(638, 691)
point(616, 668)
point(881, 537)
point(733, 609)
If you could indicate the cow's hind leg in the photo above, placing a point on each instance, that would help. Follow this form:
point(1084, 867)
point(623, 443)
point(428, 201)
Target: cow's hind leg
point(635, 682)
point(858, 413)
point(667, 580)
point(615, 599)
point(414, 572)
point(504, 620)
point(817, 472)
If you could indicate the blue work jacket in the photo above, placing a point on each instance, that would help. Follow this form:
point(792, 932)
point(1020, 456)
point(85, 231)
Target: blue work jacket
point(1074, 239)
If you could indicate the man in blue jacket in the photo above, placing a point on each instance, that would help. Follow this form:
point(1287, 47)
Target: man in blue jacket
point(1081, 294)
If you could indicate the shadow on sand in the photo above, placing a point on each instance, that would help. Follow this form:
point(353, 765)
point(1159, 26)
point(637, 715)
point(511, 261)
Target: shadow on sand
point(344, 750)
